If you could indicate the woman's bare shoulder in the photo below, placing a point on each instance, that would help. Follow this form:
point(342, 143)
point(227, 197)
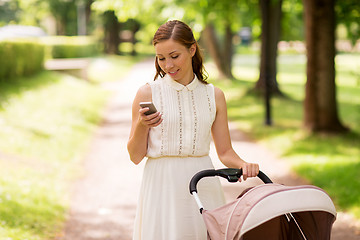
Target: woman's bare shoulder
point(144, 93)
point(219, 95)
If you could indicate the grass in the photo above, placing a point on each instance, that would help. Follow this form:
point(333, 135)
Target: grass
point(57, 112)
point(331, 162)
point(32, 206)
point(46, 122)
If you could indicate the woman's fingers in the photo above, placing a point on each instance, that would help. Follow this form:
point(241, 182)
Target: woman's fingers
point(250, 170)
point(257, 169)
point(245, 172)
point(151, 120)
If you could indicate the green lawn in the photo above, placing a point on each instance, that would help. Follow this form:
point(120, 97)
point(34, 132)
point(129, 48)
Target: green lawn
point(46, 122)
point(331, 162)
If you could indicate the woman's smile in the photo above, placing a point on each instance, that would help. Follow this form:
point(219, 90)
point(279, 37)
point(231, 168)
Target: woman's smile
point(173, 73)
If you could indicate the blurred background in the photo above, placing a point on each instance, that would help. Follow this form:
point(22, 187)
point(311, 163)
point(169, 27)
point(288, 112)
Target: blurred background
point(289, 69)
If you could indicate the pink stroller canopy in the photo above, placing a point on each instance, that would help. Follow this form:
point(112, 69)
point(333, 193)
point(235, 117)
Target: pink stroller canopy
point(273, 211)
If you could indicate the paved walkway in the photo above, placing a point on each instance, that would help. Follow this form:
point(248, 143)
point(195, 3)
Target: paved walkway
point(104, 200)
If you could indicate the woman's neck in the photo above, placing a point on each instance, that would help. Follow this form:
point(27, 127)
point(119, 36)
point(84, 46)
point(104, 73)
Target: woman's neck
point(187, 80)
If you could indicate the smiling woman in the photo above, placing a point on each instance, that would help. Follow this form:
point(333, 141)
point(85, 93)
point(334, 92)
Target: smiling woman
point(182, 35)
point(176, 139)
point(175, 59)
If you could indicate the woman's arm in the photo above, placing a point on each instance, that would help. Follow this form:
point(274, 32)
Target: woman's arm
point(140, 125)
point(221, 137)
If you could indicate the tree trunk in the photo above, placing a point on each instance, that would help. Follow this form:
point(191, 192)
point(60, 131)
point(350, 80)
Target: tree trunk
point(111, 29)
point(214, 49)
point(320, 108)
point(88, 11)
point(270, 32)
point(60, 28)
point(228, 51)
point(81, 19)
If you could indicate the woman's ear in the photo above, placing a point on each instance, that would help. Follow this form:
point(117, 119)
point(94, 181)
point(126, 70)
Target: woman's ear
point(192, 49)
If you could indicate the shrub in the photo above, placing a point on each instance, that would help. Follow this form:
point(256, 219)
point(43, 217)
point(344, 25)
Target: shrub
point(20, 57)
point(71, 46)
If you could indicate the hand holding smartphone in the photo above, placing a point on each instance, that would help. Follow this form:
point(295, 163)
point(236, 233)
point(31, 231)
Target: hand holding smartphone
point(149, 105)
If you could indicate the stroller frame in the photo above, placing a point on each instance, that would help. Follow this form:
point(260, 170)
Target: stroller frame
point(304, 207)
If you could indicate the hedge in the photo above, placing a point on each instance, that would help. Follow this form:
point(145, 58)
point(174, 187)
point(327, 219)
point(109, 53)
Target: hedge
point(71, 46)
point(20, 57)
point(23, 57)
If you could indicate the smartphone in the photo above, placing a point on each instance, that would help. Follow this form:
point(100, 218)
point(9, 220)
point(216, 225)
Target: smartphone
point(149, 105)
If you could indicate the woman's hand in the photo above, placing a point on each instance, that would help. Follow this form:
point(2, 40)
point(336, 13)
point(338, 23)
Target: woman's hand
point(250, 170)
point(151, 120)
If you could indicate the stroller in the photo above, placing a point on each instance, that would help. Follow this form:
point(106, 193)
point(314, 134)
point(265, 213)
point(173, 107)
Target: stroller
point(268, 212)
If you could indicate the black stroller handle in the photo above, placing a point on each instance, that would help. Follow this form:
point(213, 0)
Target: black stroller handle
point(231, 174)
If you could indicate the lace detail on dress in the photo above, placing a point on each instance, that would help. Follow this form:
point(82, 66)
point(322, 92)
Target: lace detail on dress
point(180, 123)
point(188, 114)
point(208, 98)
point(162, 125)
point(195, 122)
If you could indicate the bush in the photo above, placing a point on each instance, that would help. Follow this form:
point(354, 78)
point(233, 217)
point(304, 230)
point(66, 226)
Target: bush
point(71, 47)
point(20, 58)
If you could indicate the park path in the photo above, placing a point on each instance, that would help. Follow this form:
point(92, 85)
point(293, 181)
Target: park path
point(104, 199)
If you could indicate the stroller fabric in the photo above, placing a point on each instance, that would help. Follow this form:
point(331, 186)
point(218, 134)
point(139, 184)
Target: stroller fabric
point(274, 212)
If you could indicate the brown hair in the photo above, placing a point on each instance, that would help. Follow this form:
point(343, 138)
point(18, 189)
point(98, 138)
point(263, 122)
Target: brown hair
point(182, 33)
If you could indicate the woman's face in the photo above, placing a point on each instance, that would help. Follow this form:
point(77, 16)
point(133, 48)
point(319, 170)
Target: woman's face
point(176, 60)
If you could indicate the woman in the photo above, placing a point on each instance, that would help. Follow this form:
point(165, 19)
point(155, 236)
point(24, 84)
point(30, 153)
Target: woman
point(176, 139)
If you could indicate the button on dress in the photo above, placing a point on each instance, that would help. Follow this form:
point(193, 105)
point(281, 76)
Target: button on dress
point(177, 149)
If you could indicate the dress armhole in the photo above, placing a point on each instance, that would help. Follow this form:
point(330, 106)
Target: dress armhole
point(151, 91)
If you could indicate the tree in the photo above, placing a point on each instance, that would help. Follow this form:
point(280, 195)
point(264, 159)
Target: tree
point(348, 14)
point(111, 32)
point(220, 21)
point(132, 26)
point(65, 13)
point(270, 34)
point(229, 15)
point(22, 12)
point(8, 12)
point(220, 49)
point(119, 14)
point(320, 108)
point(222, 57)
point(83, 16)
point(292, 20)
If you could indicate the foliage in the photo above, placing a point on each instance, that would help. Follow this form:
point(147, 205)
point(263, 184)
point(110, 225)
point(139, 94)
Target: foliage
point(151, 13)
point(348, 14)
point(236, 13)
point(22, 12)
point(26, 11)
point(292, 20)
point(65, 13)
point(20, 58)
point(71, 47)
point(148, 13)
point(8, 12)
point(123, 9)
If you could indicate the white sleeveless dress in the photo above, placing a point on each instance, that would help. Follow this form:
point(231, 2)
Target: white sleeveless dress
point(177, 149)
